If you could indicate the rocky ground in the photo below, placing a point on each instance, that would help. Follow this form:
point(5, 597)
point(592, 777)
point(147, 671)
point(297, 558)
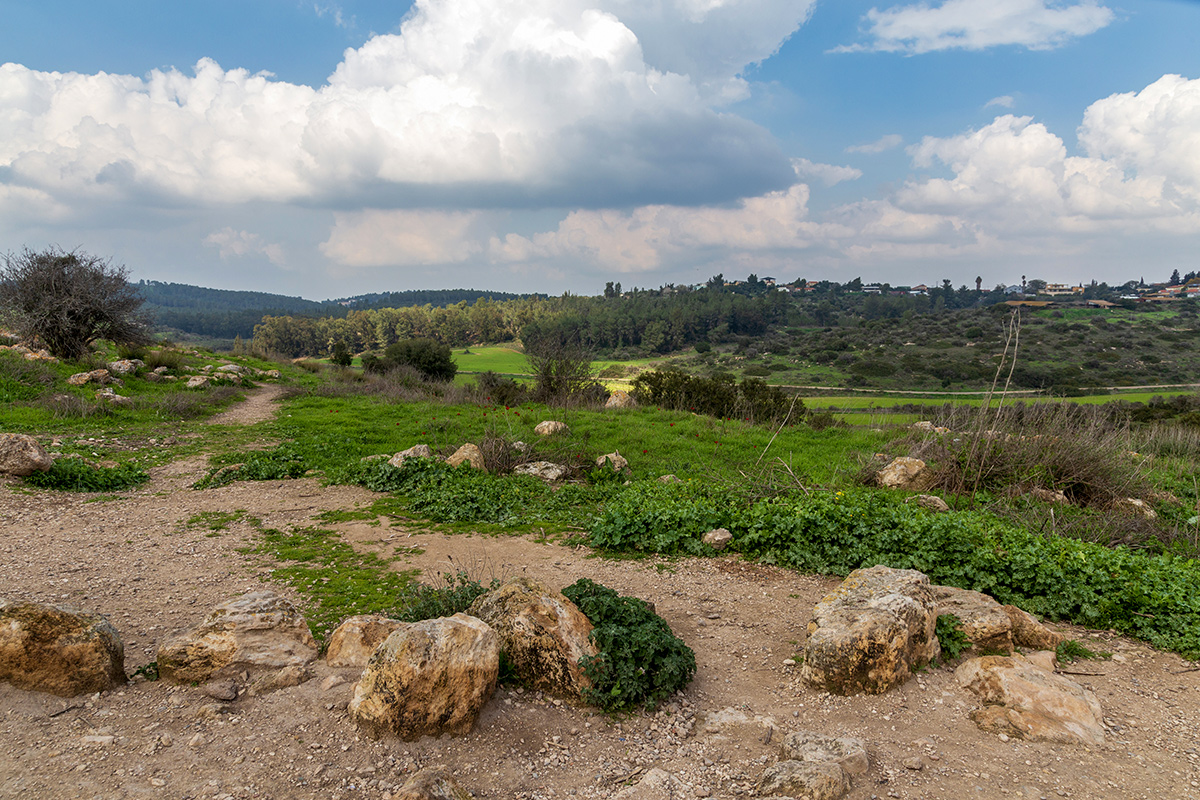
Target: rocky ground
point(135, 559)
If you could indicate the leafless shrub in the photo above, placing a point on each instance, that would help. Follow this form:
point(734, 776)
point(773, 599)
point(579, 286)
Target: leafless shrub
point(72, 406)
point(187, 405)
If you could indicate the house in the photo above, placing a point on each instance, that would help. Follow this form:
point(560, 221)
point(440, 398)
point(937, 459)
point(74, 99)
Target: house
point(919, 290)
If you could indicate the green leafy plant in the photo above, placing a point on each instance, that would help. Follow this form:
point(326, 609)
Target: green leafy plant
point(951, 637)
point(77, 475)
point(640, 661)
point(1069, 650)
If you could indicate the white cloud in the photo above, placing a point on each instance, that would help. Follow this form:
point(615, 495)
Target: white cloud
point(477, 102)
point(1154, 132)
point(231, 243)
point(335, 11)
point(881, 145)
point(401, 238)
point(828, 174)
point(1004, 101)
point(651, 237)
point(980, 24)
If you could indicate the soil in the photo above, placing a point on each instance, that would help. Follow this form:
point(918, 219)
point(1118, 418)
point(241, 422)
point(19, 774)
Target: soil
point(134, 558)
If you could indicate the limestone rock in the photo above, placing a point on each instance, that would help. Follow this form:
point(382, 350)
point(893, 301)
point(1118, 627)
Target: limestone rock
point(259, 631)
point(21, 455)
point(868, 634)
point(656, 784)
point(814, 748)
point(1028, 633)
point(933, 503)
point(804, 781)
point(231, 369)
point(550, 427)
point(1136, 506)
point(352, 644)
point(905, 472)
point(292, 675)
point(615, 460)
point(1022, 699)
point(196, 381)
point(990, 626)
point(468, 454)
point(546, 470)
point(717, 538)
point(432, 783)
point(428, 678)
point(58, 650)
point(1048, 495)
point(126, 366)
point(416, 451)
point(100, 376)
point(620, 399)
point(542, 632)
point(109, 396)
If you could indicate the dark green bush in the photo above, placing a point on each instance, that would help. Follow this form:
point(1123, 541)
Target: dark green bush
point(267, 465)
point(951, 637)
point(719, 395)
point(77, 475)
point(640, 661)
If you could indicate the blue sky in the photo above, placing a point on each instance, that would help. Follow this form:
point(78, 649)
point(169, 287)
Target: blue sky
point(326, 149)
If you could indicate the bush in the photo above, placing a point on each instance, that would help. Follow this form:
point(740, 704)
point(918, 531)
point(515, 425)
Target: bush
point(77, 475)
point(427, 356)
point(69, 300)
point(341, 355)
point(450, 595)
point(718, 396)
point(640, 661)
point(500, 390)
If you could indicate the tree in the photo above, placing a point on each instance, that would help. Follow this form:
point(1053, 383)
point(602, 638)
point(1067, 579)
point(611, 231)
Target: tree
point(69, 300)
point(426, 356)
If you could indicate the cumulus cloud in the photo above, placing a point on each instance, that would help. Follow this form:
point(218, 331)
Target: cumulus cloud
point(828, 174)
point(473, 102)
point(880, 145)
point(401, 238)
point(980, 24)
point(650, 237)
point(231, 243)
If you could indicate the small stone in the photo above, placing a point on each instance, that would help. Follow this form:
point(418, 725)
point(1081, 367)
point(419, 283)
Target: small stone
point(196, 741)
point(914, 763)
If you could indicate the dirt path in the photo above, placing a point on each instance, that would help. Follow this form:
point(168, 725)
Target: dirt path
point(139, 561)
point(259, 406)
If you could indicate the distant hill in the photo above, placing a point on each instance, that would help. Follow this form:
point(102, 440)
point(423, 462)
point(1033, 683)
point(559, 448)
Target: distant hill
point(225, 314)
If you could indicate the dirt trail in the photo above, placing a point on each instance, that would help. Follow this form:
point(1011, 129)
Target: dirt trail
point(259, 406)
point(139, 561)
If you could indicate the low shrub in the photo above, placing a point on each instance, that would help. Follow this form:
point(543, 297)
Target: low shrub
point(640, 661)
point(951, 637)
point(78, 475)
point(447, 596)
point(267, 465)
point(1152, 597)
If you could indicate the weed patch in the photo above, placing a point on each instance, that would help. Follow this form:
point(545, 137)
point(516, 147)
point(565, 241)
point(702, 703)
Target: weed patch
point(77, 475)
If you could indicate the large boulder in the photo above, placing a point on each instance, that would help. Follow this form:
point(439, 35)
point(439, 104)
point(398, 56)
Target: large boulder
point(428, 678)
point(620, 399)
point(990, 626)
point(21, 455)
point(847, 752)
point(257, 632)
point(868, 634)
point(798, 779)
point(905, 472)
point(432, 783)
point(542, 632)
point(1024, 699)
point(352, 644)
point(416, 451)
point(58, 650)
point(467, 454)
point(548, 471)
point(550, 427)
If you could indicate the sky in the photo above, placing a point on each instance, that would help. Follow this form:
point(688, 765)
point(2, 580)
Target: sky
point(328, 149)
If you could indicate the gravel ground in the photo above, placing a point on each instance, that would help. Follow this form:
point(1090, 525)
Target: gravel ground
point(134, 559)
